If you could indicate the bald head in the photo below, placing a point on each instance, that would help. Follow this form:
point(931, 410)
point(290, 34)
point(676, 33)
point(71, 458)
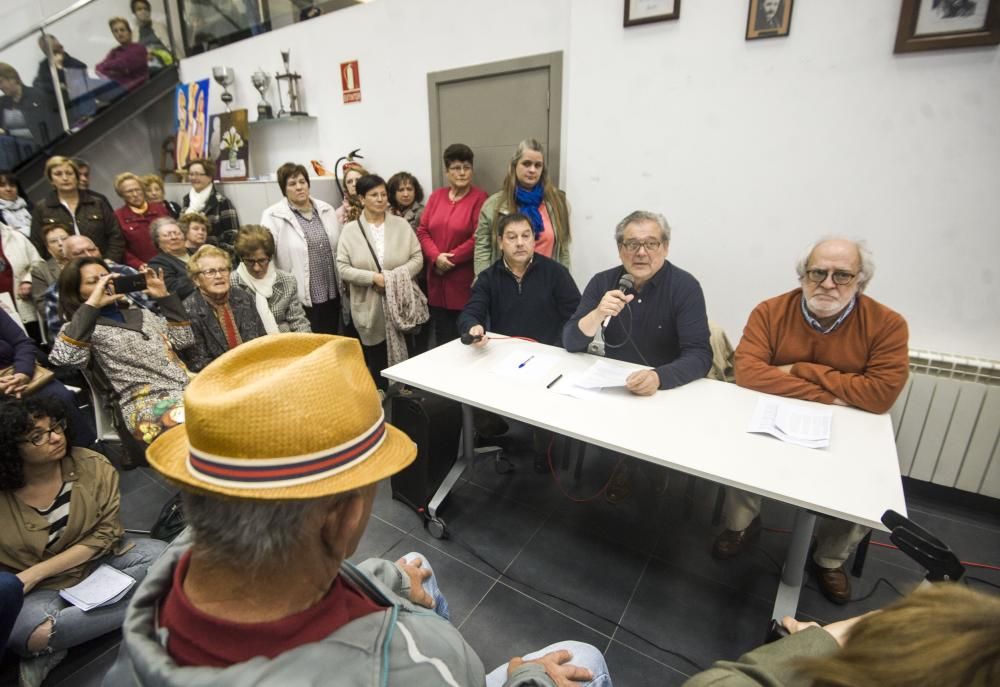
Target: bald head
point(78, 246)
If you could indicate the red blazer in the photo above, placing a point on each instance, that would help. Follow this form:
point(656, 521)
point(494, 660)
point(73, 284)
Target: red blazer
point(447, 227)
point(139, 248)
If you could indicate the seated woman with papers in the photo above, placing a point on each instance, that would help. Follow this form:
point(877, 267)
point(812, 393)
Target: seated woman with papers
point(59, 508)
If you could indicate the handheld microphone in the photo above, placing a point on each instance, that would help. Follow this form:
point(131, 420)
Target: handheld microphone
point(468, 338)
point(624, 284)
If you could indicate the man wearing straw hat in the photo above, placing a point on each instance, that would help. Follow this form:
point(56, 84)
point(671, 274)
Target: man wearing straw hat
point(284, 444)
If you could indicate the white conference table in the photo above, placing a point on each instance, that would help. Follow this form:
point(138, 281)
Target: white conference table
point(699, 429)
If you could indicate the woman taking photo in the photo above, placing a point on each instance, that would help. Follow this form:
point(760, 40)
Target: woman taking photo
point(275, 293)
point(351, 207)
point(406, 198)
point(84, 212)
point(306, 232)
point(528, 190)
point(60, 508)
point(132, 347)
point(15, 211)
point(223, 222)
point(370, 247)
point(447, 239)
point(221, 317)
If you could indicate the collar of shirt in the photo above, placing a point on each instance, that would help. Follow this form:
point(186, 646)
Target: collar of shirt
point(512, 272)
point(312, 210)
point(814, 323)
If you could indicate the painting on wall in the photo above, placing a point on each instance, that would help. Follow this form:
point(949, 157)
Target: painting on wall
point(197, 100)
point(648, 11)
point(229, 145)
point(181, 125)
point(936, 24)
point(768, 19)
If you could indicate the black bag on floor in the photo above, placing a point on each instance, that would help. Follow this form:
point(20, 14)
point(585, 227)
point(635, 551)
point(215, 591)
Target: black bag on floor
point(435, 425)
point(171, 521)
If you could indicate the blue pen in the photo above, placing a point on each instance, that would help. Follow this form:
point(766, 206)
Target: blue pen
point(525, 362)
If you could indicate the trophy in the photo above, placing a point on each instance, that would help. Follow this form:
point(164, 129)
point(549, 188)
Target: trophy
point(261, 81)
point(292, 85)
point(225, 77)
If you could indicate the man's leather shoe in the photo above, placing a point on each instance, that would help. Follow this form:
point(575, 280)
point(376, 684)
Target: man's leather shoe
point(730, 542)
point(834, 583)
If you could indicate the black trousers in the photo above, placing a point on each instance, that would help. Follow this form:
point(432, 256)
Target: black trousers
point(444, 322)
point(324, 318)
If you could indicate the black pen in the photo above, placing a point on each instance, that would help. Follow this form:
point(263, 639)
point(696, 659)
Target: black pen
point(549, 385)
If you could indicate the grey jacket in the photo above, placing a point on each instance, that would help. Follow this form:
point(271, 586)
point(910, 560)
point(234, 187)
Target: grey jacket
point(405, 644)
point(284, 302)
point(209, 339)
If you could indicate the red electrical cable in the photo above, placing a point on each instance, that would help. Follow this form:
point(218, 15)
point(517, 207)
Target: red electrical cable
point(577, 499)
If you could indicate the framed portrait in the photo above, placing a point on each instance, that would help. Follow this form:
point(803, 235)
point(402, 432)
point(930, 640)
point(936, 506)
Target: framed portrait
point(768, 18)
point(936, 24)
point(649, 11)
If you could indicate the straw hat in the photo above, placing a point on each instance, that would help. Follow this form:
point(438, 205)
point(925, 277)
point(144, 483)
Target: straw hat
point(286, 416)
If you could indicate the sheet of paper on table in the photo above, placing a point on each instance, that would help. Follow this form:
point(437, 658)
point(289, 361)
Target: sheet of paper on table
point(521, 365)
point(569, 385)
point(604, 374)
point(797, 424)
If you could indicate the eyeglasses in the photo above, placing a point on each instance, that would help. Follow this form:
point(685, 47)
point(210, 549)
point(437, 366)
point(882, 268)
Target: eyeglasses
point(42, 436)
point(633, 246)
point(840, 277)
point(256, 262)
point(458, 169)
point(215, 272)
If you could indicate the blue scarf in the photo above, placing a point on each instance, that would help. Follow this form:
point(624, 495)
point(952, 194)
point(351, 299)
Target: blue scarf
point(527, 204)
point(112, 313)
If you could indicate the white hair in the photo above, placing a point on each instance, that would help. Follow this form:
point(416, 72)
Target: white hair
point(643, 216)
point(866, 261)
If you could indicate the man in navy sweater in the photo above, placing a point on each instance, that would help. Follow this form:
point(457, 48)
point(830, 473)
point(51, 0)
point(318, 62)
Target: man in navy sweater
point(659, 322)
point(521, 294)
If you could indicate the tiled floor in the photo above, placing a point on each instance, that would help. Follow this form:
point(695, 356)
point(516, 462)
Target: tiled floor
point(526, 566)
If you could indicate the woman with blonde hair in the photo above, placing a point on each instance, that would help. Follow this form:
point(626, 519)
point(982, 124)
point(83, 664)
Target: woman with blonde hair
point(153, 184)
point(526, 189)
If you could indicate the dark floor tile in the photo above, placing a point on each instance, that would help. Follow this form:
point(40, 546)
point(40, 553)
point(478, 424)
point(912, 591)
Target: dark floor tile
point(393, 511)
point(86, 665)
point(486, 530)
point(594, 576)
point(629, 668)
point(686, 613)
point(378, 538)
point(507, 623)
point(130, 480)
point(969, 539)
point(141, 507)
point(461, 585)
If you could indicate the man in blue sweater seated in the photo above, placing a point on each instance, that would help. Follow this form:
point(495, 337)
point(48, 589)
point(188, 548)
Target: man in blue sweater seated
point(521, 294)
point(649, 311)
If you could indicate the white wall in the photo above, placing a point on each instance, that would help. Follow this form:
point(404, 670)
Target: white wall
point(751, 149)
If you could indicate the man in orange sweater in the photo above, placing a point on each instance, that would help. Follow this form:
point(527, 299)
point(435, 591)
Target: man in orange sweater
point(826, 342)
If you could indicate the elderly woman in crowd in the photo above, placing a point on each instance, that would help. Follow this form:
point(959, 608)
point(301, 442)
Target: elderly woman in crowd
point(135, 218)
point(274, 291)
point(223, 222)
point(45, 274)
point(351, 207)
point(221, 317)
point(173, 256)
point(195, 228)
point(153, 185)
point(526, 189)
point(127, 62)
point(306, 232)
point(60, 509)
point(17, 258)
point(83, 211)
point(406, 198)
point(134, 348)
point(447, 239)
point(15, 210)
point(371, 248)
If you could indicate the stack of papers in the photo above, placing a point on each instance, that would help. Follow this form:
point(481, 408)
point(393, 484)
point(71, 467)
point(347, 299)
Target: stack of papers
point(797, 424)
point(102, 587)
point(588, 384)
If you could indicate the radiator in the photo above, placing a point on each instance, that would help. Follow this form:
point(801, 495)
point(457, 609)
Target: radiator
point(947, 422)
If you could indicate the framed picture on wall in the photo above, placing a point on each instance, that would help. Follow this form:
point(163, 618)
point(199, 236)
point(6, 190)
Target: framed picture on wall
point(768, 18)
point(649, 11)
point(936, 24)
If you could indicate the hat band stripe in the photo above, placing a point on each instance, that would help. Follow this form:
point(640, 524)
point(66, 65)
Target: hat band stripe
point(297, 469)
